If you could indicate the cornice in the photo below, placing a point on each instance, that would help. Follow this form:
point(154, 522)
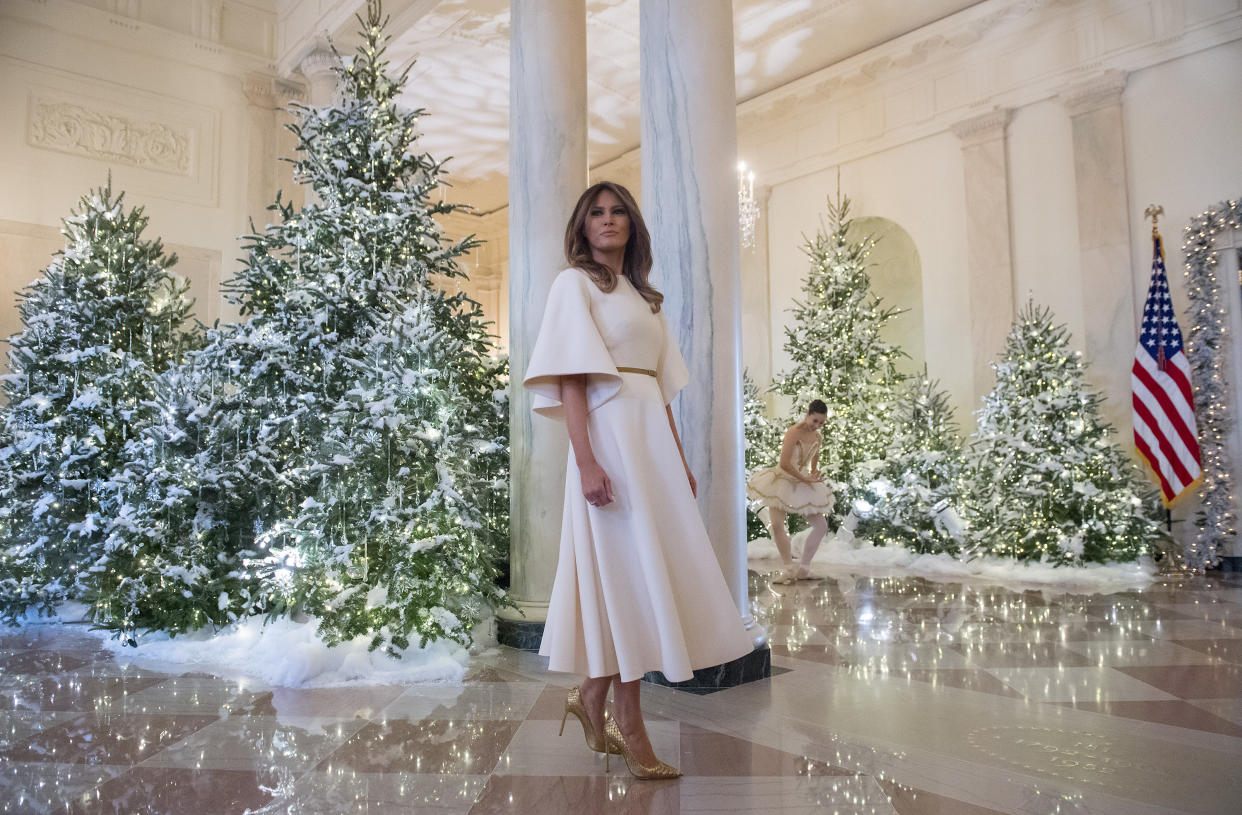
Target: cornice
point(119, 29)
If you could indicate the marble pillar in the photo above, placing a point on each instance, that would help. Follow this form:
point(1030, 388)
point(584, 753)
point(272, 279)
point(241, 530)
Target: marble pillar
point(261, 105)
point(1109, 274)
point(689, 154)
point(547, 173)
point(989, 261)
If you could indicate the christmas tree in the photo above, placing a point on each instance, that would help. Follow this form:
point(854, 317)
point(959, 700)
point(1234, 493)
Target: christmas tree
point(341, 449)
point(837, 354)
point(100, 324)
point(763, 446)
point(1047, 481)
point(911, 497)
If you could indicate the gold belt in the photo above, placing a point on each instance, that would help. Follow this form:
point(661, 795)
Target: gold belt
point(625, 370)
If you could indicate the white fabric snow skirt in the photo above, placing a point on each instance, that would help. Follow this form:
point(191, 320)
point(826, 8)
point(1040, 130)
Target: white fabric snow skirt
point(638, 587)
point(777, 489)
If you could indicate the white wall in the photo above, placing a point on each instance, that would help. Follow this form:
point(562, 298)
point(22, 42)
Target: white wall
point(1184, 148)
point(917, 185)
point(88, 92)
point(1043, 212)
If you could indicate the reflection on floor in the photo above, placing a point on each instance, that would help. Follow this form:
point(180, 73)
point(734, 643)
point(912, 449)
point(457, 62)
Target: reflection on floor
point(901, 696)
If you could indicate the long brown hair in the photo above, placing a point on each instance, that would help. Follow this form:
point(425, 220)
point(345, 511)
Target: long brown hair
point(637, 262)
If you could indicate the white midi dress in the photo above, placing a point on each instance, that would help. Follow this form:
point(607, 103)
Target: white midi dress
point(637, 585)
point(777, 489)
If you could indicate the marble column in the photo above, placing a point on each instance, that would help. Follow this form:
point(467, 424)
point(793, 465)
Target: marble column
point(689, 153)
point(989, 260)
point(1109, 275)
point(262, 177)
point(547, 173)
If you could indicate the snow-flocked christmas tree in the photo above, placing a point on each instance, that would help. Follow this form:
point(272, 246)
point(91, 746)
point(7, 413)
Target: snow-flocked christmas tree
point(1047, 481)
point(910, 498)
point(101, 323)
point(339, 453)
point(763, 446)
point(837, 354)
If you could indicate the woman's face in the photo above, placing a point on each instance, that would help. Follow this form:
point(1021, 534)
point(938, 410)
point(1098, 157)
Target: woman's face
point(607, 226)
point(815, 420)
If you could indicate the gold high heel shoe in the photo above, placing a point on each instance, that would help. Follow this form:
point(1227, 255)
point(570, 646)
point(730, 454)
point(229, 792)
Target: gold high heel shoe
point(573, 704)
point(617, 746)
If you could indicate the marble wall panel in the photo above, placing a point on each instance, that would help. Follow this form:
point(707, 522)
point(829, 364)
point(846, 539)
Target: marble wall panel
point(69, 124)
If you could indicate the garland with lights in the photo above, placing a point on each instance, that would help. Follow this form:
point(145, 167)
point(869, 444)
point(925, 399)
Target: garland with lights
point(1047, 482)
point(99, 325)
point(837, 355)
point(1206, 350)
point(343, 452)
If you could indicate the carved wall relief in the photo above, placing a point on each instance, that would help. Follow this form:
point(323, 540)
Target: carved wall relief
point(72, 128)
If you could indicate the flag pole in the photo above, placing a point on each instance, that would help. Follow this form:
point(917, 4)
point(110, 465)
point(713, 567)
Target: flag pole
point(1154, 212)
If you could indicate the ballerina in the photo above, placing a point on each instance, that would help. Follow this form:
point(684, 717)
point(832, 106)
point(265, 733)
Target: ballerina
point(796, 485)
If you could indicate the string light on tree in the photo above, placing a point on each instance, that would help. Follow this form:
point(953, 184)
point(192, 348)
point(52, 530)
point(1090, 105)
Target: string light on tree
point(762, 438)
point(343, 451)
point(78, 396)
point(837, 354)
point(1047, 482)
point(910, 496)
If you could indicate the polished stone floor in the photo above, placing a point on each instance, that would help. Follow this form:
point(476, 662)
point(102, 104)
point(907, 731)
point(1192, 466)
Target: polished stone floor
point(888, 696)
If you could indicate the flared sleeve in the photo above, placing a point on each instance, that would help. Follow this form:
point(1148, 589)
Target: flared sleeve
point(569, 342)
point(671, 372)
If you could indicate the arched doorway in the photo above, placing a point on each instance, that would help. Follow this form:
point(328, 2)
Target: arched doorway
point(897, 279)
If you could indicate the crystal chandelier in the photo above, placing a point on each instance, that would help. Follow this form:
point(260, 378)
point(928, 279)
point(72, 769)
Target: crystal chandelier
point(747, 209)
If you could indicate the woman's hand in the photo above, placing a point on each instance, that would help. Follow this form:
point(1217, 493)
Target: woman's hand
point(694, 485)
point(596, 487)
point(816, 477)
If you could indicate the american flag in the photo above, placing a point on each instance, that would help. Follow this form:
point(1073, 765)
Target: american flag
point(1164, 414)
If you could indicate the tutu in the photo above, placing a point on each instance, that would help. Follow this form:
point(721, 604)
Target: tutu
point(777, 489)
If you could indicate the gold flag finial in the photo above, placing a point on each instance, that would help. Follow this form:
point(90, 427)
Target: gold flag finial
point(1154, 212)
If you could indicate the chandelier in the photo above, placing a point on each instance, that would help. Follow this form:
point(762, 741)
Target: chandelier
point(747, 209)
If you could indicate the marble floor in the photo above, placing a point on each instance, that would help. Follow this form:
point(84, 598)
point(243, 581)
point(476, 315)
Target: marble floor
point(888, 696)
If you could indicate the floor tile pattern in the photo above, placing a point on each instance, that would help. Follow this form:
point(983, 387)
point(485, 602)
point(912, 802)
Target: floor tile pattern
point(890, 696)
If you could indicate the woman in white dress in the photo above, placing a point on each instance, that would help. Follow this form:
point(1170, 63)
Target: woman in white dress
point(637, 586)
point(795, 485)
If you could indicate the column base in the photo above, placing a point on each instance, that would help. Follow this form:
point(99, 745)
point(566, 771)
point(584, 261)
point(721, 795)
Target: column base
point(524, 635)
point(755, 665)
